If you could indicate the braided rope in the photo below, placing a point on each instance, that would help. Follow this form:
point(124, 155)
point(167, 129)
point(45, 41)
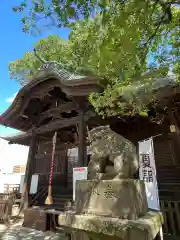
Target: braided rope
point(52, 160)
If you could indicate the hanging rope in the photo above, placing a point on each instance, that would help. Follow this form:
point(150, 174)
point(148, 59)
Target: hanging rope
point(49, 199)
point(53, 155)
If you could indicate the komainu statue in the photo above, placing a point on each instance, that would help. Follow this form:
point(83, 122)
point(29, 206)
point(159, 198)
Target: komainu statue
point(111, 204)
point(110, 159)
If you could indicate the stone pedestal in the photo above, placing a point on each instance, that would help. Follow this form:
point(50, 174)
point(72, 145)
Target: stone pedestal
point(124, 199)
point(91, 227)
point(111, 210)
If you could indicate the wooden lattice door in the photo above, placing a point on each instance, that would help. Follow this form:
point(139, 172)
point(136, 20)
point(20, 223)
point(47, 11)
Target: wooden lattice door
point(60, 172)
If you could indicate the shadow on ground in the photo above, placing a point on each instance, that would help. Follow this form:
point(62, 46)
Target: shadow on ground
point(16, 232)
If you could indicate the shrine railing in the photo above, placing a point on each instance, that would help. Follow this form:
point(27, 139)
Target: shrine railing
point(171, 214)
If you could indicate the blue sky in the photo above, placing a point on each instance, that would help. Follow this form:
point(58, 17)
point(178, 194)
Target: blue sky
point(13, 44)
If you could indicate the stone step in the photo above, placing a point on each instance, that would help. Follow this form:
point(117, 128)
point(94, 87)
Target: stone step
point(63, 196)
point(59, 200)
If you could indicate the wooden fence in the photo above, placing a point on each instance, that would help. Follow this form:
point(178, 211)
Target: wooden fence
point(9, 188)
point(171, 213)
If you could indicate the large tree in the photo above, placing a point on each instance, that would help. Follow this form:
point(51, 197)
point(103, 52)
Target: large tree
point(64, 12)
point(116, 40)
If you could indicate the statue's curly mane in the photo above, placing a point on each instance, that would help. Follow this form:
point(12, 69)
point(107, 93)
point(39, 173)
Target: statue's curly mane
point(105, 141)
point(100, 132)
point(111, 154)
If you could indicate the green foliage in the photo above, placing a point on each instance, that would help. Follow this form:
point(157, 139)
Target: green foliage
point(51, 48)
point(124, 39)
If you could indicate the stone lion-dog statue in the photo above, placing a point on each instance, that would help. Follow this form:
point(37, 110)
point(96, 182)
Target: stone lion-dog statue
point(111, 158)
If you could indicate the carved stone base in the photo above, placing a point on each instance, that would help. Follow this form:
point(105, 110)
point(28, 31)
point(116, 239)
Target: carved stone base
point(124, 199)
point(106, 228)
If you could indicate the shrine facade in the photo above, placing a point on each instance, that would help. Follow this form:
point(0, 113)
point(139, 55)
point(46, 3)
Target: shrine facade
point(57, 101)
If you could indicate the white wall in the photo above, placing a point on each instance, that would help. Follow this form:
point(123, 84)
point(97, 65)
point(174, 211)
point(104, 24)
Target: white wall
point(10, 155)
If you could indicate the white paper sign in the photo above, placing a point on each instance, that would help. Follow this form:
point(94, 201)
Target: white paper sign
point(21, 184)
point(34, 184)
point(147, 172)
point(79, 174)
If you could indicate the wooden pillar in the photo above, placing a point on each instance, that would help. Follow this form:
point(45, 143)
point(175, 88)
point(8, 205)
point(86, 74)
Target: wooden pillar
point(82, 151)
point(66, 170)
point(136, 144)
point(28, 173)
point(176, 136)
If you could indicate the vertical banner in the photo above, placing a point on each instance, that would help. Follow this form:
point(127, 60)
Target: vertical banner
point(147, 172)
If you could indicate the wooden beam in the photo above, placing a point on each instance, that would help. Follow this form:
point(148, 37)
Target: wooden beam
point(82, 150)
point(60, 123)
point(57, 124)
point(29, 172)
point(49, 154)
point(57, 111)
point(66, 170)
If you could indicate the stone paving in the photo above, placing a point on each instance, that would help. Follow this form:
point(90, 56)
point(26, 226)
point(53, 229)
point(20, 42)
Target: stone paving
point(16, 232)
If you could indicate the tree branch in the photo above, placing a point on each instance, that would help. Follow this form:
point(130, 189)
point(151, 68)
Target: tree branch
point(39, 57)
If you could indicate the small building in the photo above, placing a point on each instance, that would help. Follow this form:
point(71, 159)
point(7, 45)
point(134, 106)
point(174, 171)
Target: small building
point(19, 169)
point(9, 182)
point(57, 101)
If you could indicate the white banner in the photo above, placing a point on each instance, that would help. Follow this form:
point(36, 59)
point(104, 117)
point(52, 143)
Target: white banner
point(147, 172)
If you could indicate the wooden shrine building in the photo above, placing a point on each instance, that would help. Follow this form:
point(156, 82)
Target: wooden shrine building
point(54, 101)
point(57, 101)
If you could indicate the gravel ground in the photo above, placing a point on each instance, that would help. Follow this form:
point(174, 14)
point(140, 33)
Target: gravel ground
point(16, 232)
